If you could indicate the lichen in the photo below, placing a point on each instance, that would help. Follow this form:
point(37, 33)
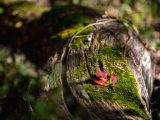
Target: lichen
point(124, 92)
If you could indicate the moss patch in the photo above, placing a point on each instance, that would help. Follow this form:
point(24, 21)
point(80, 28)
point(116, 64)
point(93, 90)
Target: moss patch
point(80, 72)
point(70, 31)
point(124, 92)
point(71, 25)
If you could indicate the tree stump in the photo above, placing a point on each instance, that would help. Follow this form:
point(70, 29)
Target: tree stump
point(109, 47)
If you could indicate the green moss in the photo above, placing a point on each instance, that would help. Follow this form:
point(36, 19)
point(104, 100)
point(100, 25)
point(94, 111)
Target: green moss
point(81, 40)
point(80, 71)
point(124, 92)
point(72, 30)
point(77, 43)
point(65, 21)
point(92, 63)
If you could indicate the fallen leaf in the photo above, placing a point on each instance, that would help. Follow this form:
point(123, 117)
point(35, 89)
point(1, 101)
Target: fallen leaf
point(100, 82)
point(101, 74)
point(113, 78)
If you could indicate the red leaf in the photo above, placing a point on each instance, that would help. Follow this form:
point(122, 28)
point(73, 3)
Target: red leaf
point(101, 74)
point(113, 78)
point(101, 78)
point(100, 82)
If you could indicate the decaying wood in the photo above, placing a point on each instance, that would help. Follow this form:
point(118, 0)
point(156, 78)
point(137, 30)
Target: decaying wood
point(137, 54)
point(113, 34)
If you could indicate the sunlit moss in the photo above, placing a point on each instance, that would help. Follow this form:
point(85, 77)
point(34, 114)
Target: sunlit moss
point(124, 92)
point(80, 72)
point(66, 33)
point(70, 31)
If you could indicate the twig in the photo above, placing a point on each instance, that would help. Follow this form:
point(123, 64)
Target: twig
point(79, 36)
point(90, 25)
point(93, 24)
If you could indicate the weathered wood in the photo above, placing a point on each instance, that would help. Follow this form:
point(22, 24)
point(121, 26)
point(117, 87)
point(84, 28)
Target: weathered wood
point(75, 85)
point(136, 53)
